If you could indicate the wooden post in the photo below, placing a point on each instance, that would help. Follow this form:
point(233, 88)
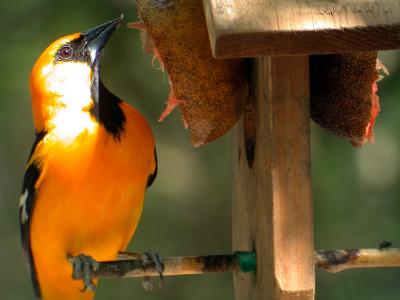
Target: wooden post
point(272, 207)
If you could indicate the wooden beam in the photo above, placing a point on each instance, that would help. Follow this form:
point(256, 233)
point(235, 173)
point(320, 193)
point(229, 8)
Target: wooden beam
point(272, 205)
point(246, 28)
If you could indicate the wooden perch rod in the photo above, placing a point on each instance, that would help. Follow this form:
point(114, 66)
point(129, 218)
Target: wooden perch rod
point(329, 260)
point(340, 260)
point(173, 266)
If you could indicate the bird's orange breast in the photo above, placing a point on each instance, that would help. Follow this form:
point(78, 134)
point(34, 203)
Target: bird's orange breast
point(90, 197)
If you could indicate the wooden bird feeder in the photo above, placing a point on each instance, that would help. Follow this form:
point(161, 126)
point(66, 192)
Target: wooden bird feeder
point(272, 202)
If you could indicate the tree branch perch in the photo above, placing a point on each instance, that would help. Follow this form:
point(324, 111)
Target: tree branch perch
point(173, 266)
point(329, 260)
point(334, 261)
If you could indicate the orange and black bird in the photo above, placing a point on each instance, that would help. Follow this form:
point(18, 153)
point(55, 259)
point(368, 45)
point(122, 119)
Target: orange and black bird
point(89, 168)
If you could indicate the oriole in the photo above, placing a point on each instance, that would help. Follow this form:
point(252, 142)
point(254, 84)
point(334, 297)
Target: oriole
point(91, 162)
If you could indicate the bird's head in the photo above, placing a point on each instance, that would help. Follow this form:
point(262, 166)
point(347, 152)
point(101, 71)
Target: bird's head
point(65, 81)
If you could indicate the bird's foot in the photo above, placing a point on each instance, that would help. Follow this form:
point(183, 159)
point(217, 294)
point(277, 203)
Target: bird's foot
point(83, 268)
point(156, 261)
point(148, 259)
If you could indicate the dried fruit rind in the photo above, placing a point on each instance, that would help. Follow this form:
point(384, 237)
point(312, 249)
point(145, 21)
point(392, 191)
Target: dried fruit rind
point(344, 96)
point(209, 92)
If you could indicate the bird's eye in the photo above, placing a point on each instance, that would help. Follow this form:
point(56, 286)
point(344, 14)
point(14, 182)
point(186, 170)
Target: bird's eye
point(65, 52)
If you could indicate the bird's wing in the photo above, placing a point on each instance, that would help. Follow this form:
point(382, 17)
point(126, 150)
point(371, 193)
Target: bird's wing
point(26, 204)
point(153, 175)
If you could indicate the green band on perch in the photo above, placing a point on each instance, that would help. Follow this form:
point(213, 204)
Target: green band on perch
point(247, 261)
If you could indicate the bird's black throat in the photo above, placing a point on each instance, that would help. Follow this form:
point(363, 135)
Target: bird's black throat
point(107, 107)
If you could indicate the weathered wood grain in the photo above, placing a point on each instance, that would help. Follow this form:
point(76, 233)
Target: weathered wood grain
point(246, 28)
point(272, 205)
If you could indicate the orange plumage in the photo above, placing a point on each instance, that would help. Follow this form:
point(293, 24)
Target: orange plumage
point(88, 171)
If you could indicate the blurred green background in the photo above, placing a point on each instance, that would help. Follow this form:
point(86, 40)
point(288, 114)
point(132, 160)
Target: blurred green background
point(187, 211)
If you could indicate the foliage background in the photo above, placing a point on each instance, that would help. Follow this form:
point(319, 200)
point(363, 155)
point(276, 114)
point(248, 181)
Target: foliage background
point(187, 212)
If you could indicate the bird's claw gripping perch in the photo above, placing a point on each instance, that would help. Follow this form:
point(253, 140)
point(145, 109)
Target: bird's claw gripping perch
point(154, 260)
point(83, 268)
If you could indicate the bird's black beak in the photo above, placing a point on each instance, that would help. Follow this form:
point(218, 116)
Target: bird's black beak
point(97, 37)
point(94, 40)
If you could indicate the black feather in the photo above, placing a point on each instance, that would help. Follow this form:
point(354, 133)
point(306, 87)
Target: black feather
point(153, 176)
point(31, 176)
point(39, 137)
point(110, 112)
